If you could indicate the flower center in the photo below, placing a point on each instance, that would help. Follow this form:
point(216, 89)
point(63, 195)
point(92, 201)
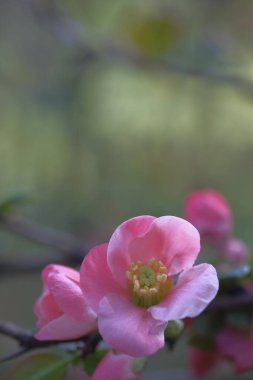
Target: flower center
point(148, 283)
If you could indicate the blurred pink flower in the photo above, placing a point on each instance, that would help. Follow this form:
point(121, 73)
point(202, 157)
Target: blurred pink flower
point(62, 310)
point(232, 344)
point(210, 213)
point(131, 285)
point(112, 367)
point(237, 346)
point(201, 361)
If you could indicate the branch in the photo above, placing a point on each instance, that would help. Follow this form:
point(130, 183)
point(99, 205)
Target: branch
point(29, 265)
point(119, 54)
point(28, 342)
point(71, 33)
point(38, 233)
point(233, 302)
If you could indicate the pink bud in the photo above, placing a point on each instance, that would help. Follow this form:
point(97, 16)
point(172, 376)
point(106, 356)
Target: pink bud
point(210, 213)
point(62, 310)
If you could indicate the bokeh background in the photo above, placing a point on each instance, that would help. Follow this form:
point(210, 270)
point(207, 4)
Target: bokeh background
point(111, 109)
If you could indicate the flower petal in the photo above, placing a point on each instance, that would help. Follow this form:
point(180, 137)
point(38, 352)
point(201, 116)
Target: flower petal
point(115, 367)
point(64, 327)
point(196, 287)
point(128, 328)
point(46, 309)
point(72, 274)
point(119, 257)
point(172, 240)
point(96, 279)
point(68, 296)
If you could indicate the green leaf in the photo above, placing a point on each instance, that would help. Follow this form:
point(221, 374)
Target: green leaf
point(93, 359)
point(39, 366)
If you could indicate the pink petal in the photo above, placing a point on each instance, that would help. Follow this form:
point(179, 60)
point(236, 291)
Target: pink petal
point(115, 367)
point(119, 257)
point(72, 274)
point(65, 327)
point(128, 328)
point(46, 309)
point(196, 287)
point(172, 240)
point(68, 296)
point(95, 277)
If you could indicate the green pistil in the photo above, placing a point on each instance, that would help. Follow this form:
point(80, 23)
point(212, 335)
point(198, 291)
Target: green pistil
point(146, 276)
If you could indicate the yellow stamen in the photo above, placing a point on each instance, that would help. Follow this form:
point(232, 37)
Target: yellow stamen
point(148, 283)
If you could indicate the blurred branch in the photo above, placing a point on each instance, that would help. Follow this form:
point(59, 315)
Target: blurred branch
point(72, 248)
point(123, 56)
point(71, 33)
point(62, 241)
point(29, 265)
point(27, 341)
point(232, 302)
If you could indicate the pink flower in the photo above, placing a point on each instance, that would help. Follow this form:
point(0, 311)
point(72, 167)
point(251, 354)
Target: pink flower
point(210, 213)
point(237, 346)
point(62, 310)
point(113, 367)
point(143, 278)
point(202, 361)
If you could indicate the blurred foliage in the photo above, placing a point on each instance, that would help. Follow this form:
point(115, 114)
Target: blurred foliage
point(97, 140)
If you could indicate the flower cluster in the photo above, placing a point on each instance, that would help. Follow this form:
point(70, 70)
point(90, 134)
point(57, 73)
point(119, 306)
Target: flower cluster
point(129, 288)
point(229, 337)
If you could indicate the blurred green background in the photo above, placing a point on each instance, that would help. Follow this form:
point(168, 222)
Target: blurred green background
point(111, 109)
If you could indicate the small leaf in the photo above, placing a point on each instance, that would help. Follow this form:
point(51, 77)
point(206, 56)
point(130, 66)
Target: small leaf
point(93, 359)
point(39, 366)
